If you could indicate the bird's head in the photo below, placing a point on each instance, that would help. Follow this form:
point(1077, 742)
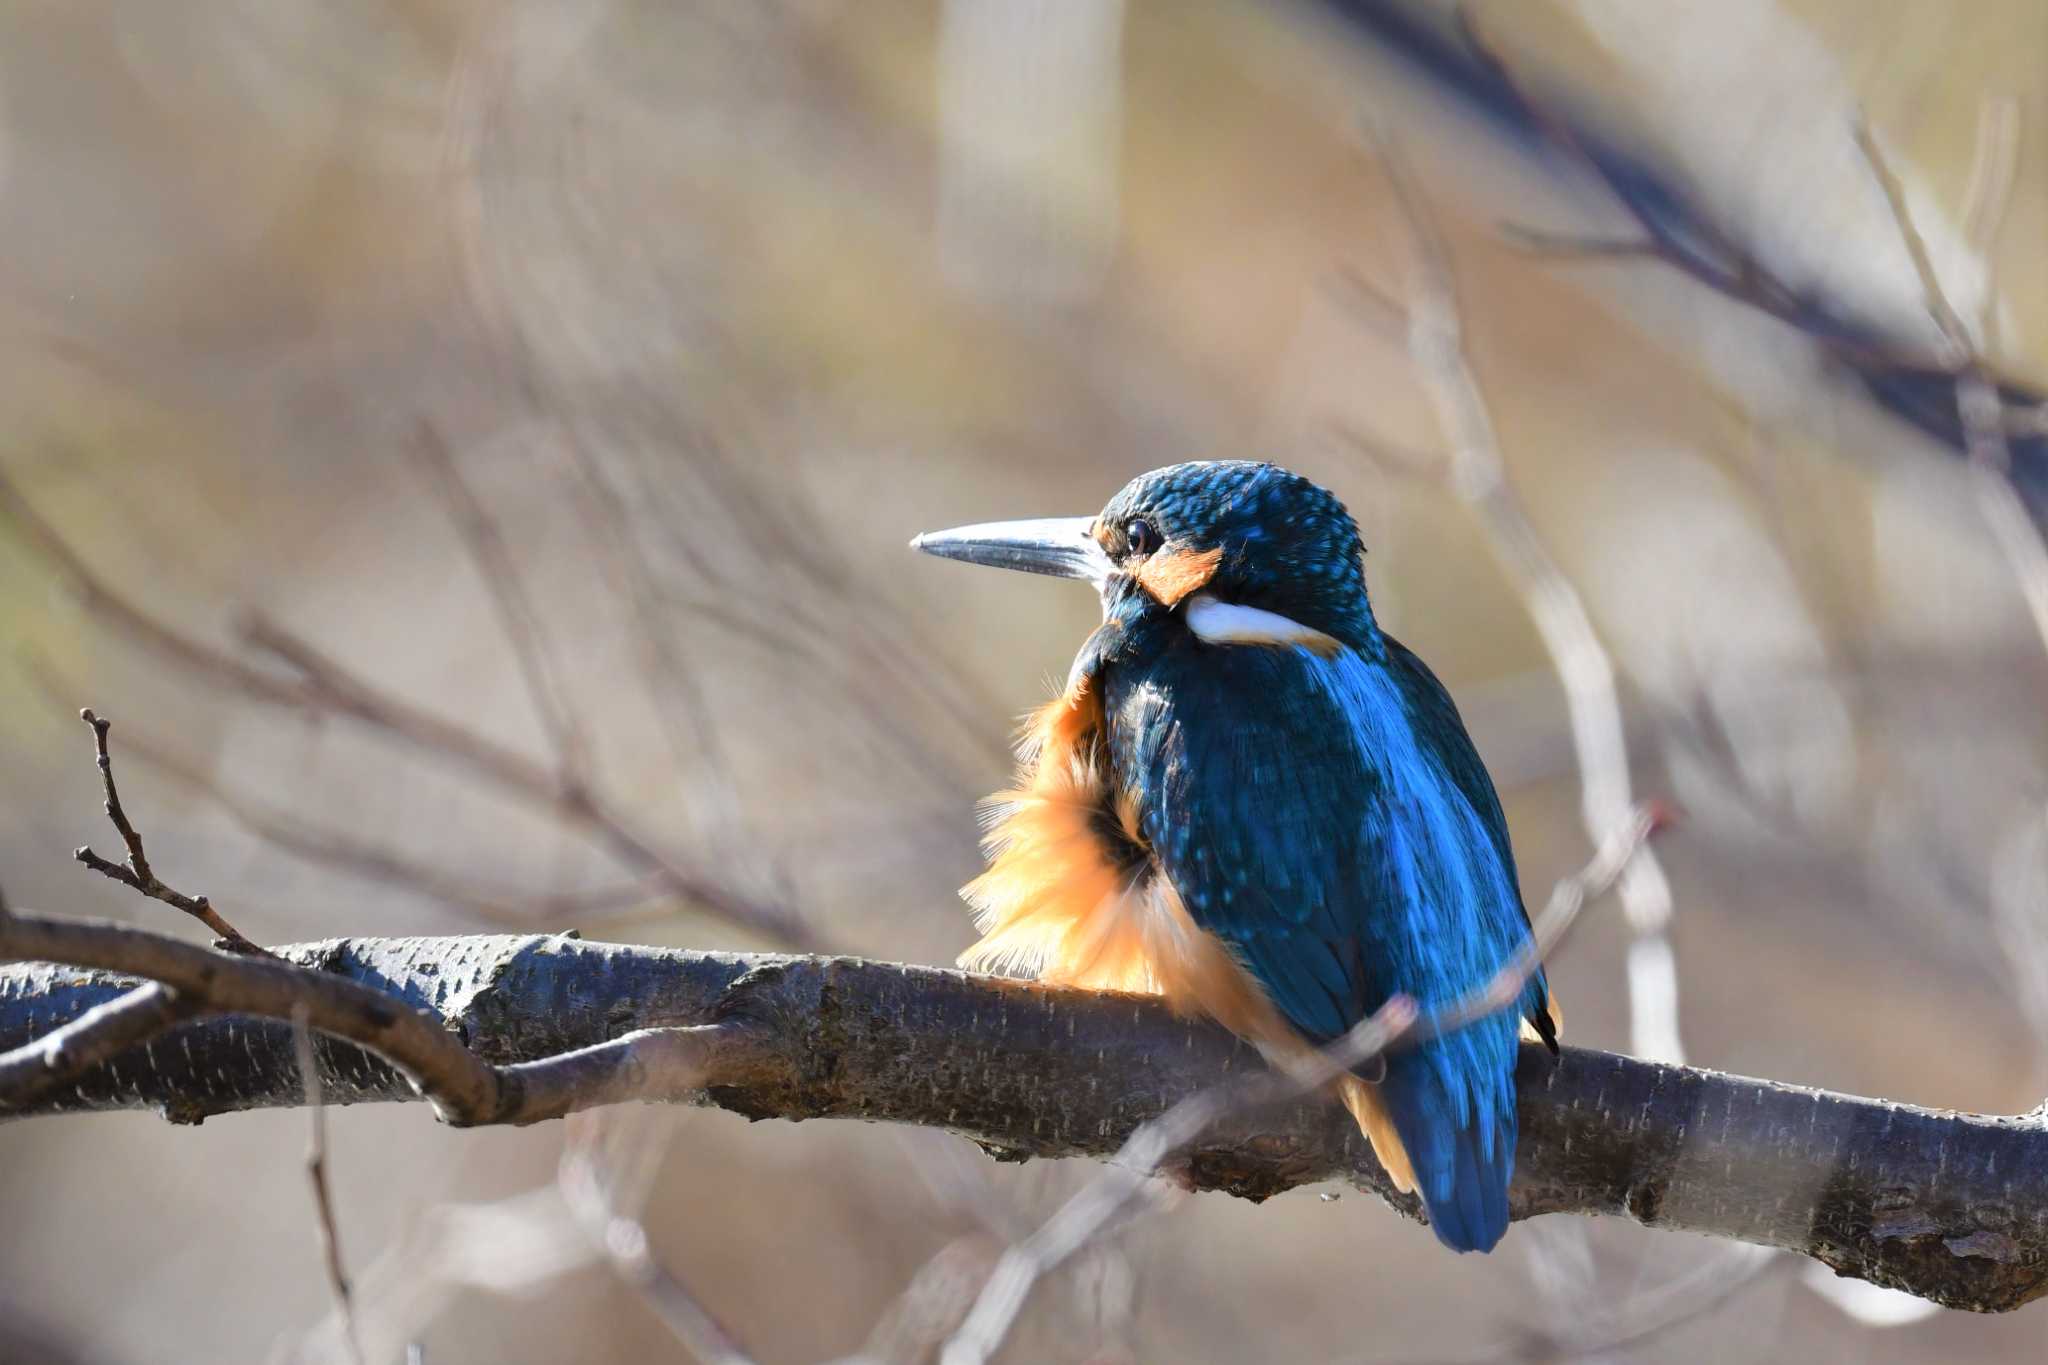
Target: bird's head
point(1243, 551)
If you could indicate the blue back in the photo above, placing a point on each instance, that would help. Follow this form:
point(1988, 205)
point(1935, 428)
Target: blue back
point(1330, 820)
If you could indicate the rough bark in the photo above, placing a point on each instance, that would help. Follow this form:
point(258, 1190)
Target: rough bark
point(1949, 1206)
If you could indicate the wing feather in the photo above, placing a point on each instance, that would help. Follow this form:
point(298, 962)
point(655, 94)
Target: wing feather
point(1329, 820)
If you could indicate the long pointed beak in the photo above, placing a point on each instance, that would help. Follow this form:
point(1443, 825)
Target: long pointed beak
point(1061, 546)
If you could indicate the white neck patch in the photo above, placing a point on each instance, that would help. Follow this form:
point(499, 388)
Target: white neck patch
point(1226, 623)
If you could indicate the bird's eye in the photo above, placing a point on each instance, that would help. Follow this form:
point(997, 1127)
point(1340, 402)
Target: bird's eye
point(1143, 539)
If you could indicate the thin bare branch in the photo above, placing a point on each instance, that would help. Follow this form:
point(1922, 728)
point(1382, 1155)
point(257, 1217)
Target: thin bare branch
point(516, 615)
point(1955, 332)
point(2018, 537)
point(1380, 312)
point(1650, 1316)
point(1994, 165)
point(109, 608)
point(323, 1198)
point(343, 691)
point(323, 684)
point(592, 1192)
point(136, 872)
point(318, 842)
point(1478, 474)
point(640, 899)
point(1704, 253)
point(675, 689)
point(1605, 1330)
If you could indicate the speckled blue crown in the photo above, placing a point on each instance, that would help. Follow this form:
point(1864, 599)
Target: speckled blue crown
point(1289, 546)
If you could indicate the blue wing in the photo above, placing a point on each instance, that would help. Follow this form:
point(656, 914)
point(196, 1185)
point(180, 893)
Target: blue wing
point(1329, 819)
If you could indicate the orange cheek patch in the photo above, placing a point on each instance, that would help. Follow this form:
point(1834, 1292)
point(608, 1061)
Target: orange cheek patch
point(1169, 575)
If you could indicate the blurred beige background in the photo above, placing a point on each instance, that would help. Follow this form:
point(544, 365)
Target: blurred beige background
point(716, 305)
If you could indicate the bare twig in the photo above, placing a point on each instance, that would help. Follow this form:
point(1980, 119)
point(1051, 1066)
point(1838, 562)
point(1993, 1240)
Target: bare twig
point(1644, 1318)
point(519, 1245)
point(592, 1191)
point(1954, 331)
point(1377, 310)
point(1662, 1310)
point(675, 689)
point(1704, 252)
point(316, 1175)
point(1994, 165)
point(1978, 404)
point(202, 660)
point(1985, 435)
point(341, 690)
point(136, 872)
point(1710, 257)
point(1478, 475)
point(319, 842)
point(516, 615)
point(1401, 1021)
point(321, 684)
point(331, 847)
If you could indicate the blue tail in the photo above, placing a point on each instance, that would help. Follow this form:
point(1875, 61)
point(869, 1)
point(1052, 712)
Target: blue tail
point(1459, 1129)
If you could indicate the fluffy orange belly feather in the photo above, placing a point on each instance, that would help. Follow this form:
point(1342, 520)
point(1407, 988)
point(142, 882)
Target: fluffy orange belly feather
point(1070, 898)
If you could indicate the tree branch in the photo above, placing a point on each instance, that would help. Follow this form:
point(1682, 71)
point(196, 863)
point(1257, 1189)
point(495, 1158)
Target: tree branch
point(136, 872)
point(500, 903)
point(1952, 1207)
point(516, 615)
point(317, 683)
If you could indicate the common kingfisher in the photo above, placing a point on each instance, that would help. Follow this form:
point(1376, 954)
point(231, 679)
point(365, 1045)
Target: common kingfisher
point(1251, 800)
